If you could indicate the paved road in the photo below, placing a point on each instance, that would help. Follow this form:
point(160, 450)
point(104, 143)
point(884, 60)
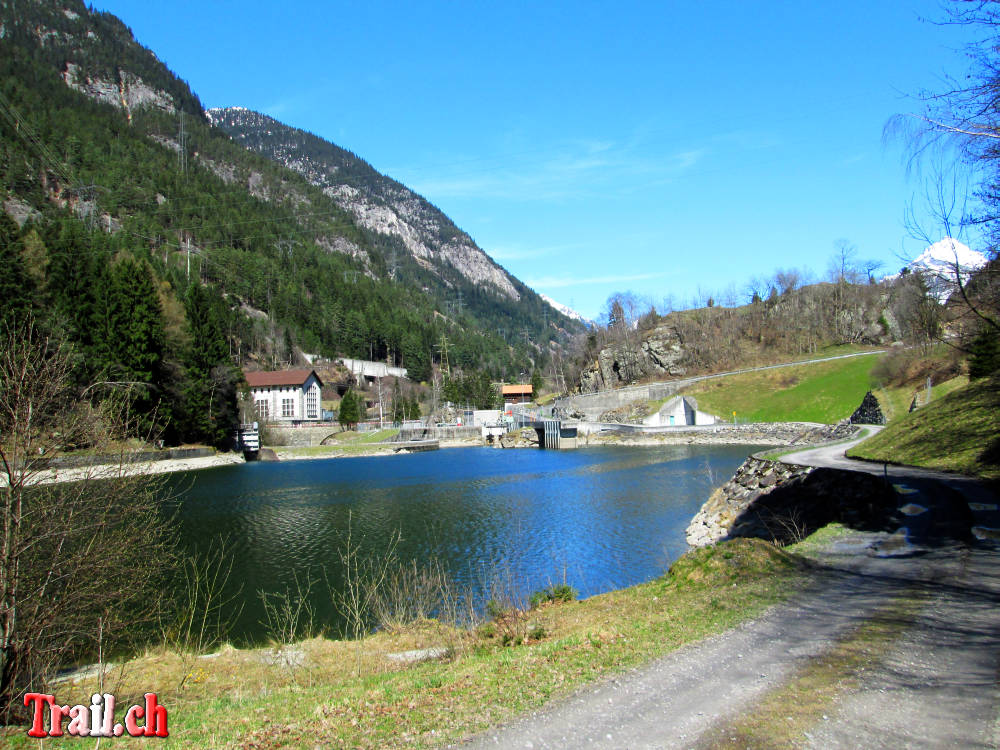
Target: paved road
point(926, 487)
point(936, 687)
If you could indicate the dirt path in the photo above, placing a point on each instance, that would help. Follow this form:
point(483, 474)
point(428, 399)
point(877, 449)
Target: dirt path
point(932, 683)
point(935, 688)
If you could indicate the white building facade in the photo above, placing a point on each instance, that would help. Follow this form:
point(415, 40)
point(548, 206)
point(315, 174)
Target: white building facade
point(677, 412)
point(286, 396)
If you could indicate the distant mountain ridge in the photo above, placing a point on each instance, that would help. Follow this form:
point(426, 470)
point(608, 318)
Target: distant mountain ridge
point(566, 310)
point(310, 246)
point(377, 202)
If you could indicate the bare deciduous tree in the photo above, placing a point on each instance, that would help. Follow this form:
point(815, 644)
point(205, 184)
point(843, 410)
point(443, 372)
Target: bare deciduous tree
point(81, 559)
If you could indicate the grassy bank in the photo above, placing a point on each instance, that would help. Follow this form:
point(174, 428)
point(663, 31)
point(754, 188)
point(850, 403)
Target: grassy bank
point(822, 392)
point(329, 693)
point(957, 432)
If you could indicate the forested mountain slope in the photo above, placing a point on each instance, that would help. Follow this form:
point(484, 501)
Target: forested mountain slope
point(111, 177)
point(379, 203)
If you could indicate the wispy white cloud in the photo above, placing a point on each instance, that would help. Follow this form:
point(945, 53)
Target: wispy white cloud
point(558, 282)
point(686, 159)
point(572, 169)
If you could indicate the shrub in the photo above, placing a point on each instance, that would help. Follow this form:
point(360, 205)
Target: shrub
point(560, 592)
point(984, 356)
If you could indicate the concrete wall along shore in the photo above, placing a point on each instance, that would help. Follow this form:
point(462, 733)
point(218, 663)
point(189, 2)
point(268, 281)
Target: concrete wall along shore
point(302, 436)
point(759, 433)
point(298, 436)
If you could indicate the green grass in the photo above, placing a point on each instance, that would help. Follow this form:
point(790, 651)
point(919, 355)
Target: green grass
point(823, 392)
point(347, 694)
point(350, 437)
point(895, 401)
point(957, 432)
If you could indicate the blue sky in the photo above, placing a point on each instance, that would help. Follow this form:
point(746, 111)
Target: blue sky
point(657, 147)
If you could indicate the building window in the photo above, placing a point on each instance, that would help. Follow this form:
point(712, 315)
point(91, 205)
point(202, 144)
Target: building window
point(312, 403)
point(288, 407)
point(262, 410)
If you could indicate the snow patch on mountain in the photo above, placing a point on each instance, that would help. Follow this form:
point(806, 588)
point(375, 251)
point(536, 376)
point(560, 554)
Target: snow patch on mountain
point(943, 263)
point(569, 312)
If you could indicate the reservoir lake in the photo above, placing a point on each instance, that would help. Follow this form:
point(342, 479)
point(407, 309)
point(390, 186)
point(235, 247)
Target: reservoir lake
point(597, 518)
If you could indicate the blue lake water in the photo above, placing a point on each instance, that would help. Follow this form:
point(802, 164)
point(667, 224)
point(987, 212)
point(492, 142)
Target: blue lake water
point(596, 518)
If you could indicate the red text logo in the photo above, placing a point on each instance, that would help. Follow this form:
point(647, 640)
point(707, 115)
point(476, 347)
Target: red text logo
point(97, 719)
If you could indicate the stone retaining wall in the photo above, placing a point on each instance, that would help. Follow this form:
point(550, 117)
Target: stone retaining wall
point(593, 404)
point(297, 436)
point(757, 433)
point(783, 502)
point(440, 433)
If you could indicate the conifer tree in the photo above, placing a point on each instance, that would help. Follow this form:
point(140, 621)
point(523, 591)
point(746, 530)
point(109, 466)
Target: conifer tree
point(16, 287)
point(210, 409)
point(136, 340)
point(349, 413)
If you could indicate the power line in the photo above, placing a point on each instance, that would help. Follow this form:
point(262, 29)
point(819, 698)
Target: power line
point(182, 136)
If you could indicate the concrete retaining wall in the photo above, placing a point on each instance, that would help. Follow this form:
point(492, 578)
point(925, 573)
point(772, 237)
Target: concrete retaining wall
point(594, 404)
point(763, 433)
point(440, 433)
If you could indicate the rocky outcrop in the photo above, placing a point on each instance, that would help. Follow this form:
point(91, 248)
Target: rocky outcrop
point(20, 211)
point(129, 92)
point(526, 437)
point(784, 503)
point(376, 202)
point(662, 352)
point(652, 354)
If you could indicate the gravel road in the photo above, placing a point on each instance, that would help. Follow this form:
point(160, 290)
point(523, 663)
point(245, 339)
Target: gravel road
point(935, 687)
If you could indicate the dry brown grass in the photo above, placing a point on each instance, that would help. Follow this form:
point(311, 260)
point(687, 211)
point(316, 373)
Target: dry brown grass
point(313, 693)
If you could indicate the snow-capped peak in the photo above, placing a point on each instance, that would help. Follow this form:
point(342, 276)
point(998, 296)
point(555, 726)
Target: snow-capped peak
point(569, 312)
point(945, 260)
point(947, 253)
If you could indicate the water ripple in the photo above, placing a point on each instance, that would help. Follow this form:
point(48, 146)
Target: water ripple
point(598, 518)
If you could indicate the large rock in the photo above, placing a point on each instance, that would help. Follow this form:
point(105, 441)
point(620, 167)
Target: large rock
point(526, 437)
point(662, 351)
point(657, 352)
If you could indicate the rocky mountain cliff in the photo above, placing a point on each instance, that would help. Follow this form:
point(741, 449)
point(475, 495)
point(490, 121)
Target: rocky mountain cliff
point(310, 246)
point(96, 54)
point(376, 202)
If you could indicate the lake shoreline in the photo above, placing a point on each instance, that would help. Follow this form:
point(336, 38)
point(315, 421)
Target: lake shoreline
point(776, 434)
